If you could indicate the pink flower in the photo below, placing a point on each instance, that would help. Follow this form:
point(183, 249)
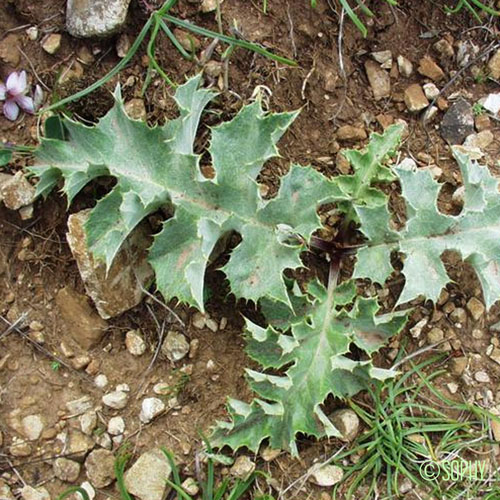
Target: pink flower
point(14, 94)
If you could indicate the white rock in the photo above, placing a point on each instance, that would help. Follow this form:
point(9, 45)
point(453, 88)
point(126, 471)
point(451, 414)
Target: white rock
point(32, 33)
point(146, 478)
point(209, 5)
point(242, 467)
point(32, 427)
point(347, 422)
point(123, 387)
point(134, 341)
point(482, 377)
point(430, 91)
point(116, 425)
point(328, 475)
point(492, 103)
point(190, 486)
point(175, 347)
point(151, 408)
point(416, 330)
point(52, 43)
point(95, 18)
point(101, 381)
point(116, 399)
point(30, 493)
point(88, 422)
point(405, 66)
point(384, 57)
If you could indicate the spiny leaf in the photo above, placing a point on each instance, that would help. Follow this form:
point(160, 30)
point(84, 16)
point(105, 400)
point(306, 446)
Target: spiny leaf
point(368, 170)
point(474, 233)
point(156, 167)
point(316, 353)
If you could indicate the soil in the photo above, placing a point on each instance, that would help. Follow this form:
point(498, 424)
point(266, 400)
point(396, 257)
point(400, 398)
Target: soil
point(331, 89)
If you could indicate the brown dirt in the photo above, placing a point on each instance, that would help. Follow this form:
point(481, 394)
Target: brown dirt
point(29, 280)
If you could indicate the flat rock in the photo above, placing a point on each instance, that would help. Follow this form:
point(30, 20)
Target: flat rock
point(79, 406)
point(458, 122)
point(66, 470)
point(15, 191)
point(30, 493)
point(95, 18)
point(116, 399)
point(100, 468)
point(415, 99)
point(492, 103)
point(120, 288)
point(328, 475)
point(379, 79)
point(146, 478)
point(350, 133)
point(481, 140)
point(33, 426)
point(80, 320)
point(116, 426)
point(429, 68)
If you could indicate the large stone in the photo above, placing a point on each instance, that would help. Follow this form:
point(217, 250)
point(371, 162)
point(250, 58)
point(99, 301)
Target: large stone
point(120, 288)
point(458, 122)
point(146, 478)
point(95, 18)
point(100, 468)
point(81, 322)
point(16, 191)
point(379, 79)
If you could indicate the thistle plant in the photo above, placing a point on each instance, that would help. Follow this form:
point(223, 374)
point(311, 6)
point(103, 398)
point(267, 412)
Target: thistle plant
point(318, 338)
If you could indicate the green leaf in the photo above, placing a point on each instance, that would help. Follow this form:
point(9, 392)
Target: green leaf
point(5, 157)
point(474, 233)
point(315, 353)
point(360, 188)
point(157, 167)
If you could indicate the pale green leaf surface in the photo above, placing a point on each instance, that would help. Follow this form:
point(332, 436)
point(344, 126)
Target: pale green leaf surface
point(474, 233)
point(315, 356)
point(369, 170)
point(156, 167)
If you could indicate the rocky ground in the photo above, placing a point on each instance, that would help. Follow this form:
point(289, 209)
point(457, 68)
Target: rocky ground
point(89, 364)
